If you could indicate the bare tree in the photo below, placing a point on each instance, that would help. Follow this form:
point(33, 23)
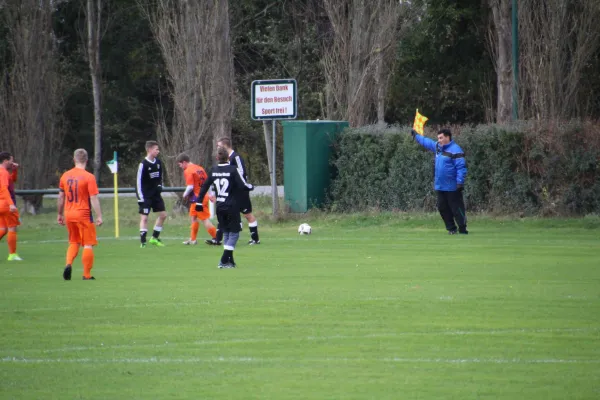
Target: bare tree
point(94, 24)
point(31, 95)
point(195, 42)
point(500, 39)
point(359, 56)
point(558, 38)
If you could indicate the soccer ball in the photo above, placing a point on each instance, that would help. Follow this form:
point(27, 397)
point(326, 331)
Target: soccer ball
point(304, 229)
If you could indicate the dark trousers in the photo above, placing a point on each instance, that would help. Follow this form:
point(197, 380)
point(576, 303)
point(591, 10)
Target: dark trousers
point(452, 208)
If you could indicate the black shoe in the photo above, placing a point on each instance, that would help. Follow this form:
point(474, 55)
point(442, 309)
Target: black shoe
point(67, 273)
point(452, 232)
point(463, 232)
point(91, 278)
point(226, 265)
point(212, 242)
point(252, 242)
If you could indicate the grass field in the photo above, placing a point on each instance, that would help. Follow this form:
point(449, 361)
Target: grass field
point(367, 307)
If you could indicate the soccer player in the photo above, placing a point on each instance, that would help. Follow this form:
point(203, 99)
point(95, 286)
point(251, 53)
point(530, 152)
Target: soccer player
point(9, 214)
point(195, 176)
point(244, 202)
point(148, 189)
point(229, 187)
point(79, 191)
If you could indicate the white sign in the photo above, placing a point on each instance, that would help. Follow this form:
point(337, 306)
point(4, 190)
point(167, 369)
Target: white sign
point(274, 99)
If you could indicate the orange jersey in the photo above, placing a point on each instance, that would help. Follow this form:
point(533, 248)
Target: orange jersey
point(195, 175)
point(78, 185)
point(5, 184)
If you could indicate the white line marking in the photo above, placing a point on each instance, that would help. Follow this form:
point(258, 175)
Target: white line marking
point(384, 335)
point(244, 360)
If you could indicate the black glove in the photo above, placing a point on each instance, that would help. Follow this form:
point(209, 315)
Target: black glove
point(159, 189)
point(413, 133)
point(199, 207)
point(460, 187)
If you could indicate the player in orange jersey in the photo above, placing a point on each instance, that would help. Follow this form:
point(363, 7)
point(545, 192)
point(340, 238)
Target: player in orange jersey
point(195, 176)
point(79, 191)
point(9, 214)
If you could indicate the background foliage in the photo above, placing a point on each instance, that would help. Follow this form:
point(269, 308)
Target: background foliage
point(527, 169)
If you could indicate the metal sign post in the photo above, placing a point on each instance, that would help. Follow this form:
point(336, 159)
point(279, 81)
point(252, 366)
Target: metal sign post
point(272, 100)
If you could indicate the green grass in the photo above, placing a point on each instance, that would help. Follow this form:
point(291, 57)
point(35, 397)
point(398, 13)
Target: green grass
point(382, 306)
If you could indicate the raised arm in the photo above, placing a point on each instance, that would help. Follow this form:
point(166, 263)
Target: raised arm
point(424, 141)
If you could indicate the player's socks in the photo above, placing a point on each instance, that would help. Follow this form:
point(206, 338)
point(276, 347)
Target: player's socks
point(194, 230)
point(156, 232)
point(2, 233)
point(219, 235)
point(253, 226)
point(88, 262)
point(143, 233)
point(226, 256)
point(12, 242)
point(72, 252)
point(212, 231)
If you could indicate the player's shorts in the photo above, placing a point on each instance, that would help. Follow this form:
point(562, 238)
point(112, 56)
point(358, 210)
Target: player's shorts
point(229, 222)
point(155, 204)
point(244, 202)
point(202, 215)
point(9, 219)
point(82, 233)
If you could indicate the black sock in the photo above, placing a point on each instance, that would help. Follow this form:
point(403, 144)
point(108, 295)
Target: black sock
point(219, 235)
point(231, 258)
point(143, 236)
point(155, 234)
point(226, 256)
point(254, 233)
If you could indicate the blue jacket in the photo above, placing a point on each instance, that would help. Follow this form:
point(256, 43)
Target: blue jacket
point(450, 164)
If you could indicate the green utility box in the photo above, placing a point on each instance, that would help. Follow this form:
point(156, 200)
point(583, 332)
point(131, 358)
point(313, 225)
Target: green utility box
point(306, 171)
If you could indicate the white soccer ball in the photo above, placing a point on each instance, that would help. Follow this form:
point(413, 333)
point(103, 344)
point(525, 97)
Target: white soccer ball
point(304, 229)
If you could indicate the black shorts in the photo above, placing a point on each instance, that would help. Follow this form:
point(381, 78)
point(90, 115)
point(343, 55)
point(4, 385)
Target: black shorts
point(155, 204)
point(245, 203)
point(229, 222)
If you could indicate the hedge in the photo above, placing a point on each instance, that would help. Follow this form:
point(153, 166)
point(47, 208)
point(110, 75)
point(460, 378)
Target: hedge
point(528, 169)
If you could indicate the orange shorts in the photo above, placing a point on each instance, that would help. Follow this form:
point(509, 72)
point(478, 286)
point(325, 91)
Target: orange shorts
point(82, 233)
point(205, 214)
point(9, 219)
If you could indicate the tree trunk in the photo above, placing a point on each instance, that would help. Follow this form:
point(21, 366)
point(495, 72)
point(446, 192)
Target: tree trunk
point(501, 10)
point(32, 95)
point(94, 19)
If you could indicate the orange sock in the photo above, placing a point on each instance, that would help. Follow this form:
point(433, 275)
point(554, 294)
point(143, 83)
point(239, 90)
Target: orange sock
point(194, 230)
point(2, 233)
point(72, 252)
point(88, 262)
point(212, 231)
point(12, 242)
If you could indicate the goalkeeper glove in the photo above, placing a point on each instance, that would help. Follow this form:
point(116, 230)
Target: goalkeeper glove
point(460, 187)
point(199, 207)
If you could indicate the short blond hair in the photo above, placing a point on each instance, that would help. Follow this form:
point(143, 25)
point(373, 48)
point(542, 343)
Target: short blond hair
point(80, 156)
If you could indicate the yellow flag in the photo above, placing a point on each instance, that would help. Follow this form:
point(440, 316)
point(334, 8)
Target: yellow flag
point(419, 122)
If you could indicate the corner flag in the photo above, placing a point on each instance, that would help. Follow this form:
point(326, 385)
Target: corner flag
point(419, 122)
point(114, 168)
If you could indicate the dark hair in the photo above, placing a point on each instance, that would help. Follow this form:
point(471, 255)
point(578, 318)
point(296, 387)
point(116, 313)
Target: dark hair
point(225, 140)
point(445, 132)
point(5, 155)
point(183, 158)
point(222, 155)
point(150, 144)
